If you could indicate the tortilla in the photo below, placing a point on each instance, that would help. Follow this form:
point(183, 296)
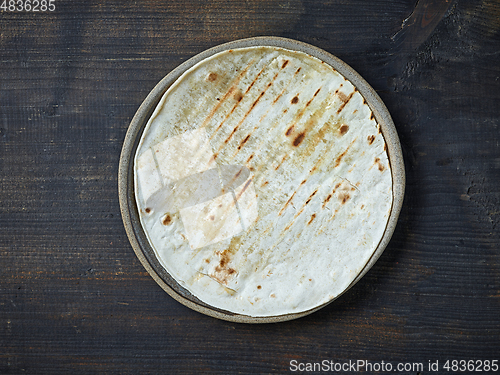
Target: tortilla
point(262, 181)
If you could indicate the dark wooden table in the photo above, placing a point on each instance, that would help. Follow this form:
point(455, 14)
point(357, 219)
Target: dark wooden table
point(75, 298)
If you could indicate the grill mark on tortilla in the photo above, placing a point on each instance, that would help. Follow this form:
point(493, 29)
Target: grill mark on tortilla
point(243, 142)
point(315, 94)
point(341, 156)
point(298, 213)
point(281, 162)
point(290, 199)
point(345, 101)
point(286, 204)
point(286, 88)
point(311, 196)
point(244, 188)
point(310, 221)
point(327, 199)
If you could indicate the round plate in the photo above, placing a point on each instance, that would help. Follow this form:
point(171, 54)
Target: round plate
point(129, 208)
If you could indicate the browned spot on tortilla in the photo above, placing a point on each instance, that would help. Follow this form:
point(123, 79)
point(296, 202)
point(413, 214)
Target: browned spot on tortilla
point(222, 271)
point(238, 96)
point(385, 147)
point(362, 206)
point(295, 100)
point(167, 220)
point(243, 142)
point(207, 261)
point(311, 219)
point(259, 287)
point(380, 166)
point(273, 295)
point(343, 197)
point(212, 77)
point(303, 182)
point(379, 129)
point(148, 210)
point(371, 138)
point(343, 129)
point(298, 139)
point(285, 63)
point(289, 131)
point(212, 217)
point(298, 70)
point(342, 96)
point(372, 116)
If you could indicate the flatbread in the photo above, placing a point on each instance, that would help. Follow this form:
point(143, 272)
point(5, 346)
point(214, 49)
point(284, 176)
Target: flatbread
point(262, 181)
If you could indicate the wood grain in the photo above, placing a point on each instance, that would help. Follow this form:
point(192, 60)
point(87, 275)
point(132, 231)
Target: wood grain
point(75, 299)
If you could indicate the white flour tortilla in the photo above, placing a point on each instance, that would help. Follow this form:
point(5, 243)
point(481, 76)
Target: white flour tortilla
point(263, 182)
